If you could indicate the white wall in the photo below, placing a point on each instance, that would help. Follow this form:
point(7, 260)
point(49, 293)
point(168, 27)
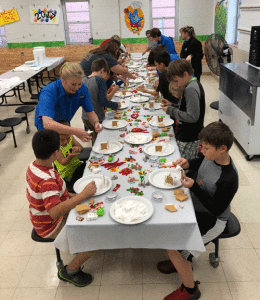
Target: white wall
point(199, 14)
point(248, 18)
point(32, 33)
point(104, 18)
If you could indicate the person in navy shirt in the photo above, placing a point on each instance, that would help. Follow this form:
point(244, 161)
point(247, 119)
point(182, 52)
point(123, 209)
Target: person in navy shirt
point(61, 99)
point(164, 40)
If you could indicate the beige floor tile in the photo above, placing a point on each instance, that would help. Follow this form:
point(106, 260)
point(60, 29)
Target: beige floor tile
point(258, 252)
point(44, 249)
point(17, 243)
point(215, 291)
point(13, 201)
point(92, 266)
point(253, 232)
point(6, 294)
point(22, 226)
point(158, 291)
point(35, 293)
point(150, 258)
point(3, 234)
point(204, 272)
point(12, 269)
point(122, 267)
point(241, 265)
point(121, 292)
point(244, 290)
point(41, 271)
point(90, 292)
point(7, 219)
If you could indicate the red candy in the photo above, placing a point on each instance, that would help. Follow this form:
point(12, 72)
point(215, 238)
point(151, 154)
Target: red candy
point(126, 171)
point(116, 187)
point(113, 164)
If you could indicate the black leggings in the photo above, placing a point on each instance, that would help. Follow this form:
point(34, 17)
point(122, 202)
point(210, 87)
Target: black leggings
point(78, 173)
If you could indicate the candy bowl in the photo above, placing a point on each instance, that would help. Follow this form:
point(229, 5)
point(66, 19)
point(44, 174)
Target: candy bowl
point(157, 196)
point(111, 196)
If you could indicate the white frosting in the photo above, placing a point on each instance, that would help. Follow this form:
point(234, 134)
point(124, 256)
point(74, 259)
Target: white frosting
point(137, 138)
point(130, 211)
point(91, 216)
point(95, 170)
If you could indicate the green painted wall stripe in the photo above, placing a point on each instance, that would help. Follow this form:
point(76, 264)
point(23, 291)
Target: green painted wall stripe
point(199, 37)
point(125, 41)
point(36, 44)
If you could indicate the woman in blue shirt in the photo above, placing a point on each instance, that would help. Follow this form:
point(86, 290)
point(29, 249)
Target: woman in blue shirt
point(61, 99)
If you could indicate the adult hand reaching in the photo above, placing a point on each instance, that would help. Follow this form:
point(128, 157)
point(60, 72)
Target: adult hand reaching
point(98, 127)
point(82, 135)
point(165, 102)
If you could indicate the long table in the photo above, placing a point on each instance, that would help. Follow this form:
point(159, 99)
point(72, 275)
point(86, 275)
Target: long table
point(49, 64)
point(164, 230)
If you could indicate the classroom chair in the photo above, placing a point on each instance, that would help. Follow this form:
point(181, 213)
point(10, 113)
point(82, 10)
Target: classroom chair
point(232, 229)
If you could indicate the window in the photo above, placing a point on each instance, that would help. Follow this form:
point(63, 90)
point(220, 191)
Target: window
point(237, 20)
point(3, 40)
point(163, 15)
point(77, 21)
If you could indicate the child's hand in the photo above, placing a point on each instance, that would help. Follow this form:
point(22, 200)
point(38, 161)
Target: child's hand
point(187, 182)
point(182, 162)
point(119, 105)
point(76, 150)
point(116, 88)
point(90, 189)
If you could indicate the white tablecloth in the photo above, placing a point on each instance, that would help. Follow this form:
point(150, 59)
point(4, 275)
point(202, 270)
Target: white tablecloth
point(163, 230)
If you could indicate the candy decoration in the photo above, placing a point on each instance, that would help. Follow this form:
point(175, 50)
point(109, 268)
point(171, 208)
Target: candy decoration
point(116, 187)
point(113, 164)
point(125, 171)
point(140, 130)
point(136, 191)
point(100, 212)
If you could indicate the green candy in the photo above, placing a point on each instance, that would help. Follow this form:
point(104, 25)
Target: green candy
point(100, 212)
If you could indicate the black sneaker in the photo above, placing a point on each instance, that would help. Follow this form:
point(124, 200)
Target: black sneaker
point(79, 279)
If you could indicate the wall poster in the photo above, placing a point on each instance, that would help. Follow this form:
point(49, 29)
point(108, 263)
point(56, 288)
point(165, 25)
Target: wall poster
point(134, 17)
point(44, 16)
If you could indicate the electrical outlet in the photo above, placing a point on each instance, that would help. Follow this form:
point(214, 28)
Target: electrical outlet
point(22, 53)
point(131, 48)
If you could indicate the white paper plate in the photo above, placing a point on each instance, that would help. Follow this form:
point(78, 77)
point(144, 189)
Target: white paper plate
point(108, 124)
point(136, 81)
point(157, 178)
point(135, 198)
point(166, 122)
point(139, 99)
point(142, 74)
point(134, 66)
point(138, 138)
point(144, 94)
point(119, 94)
point(137, 58)
point(156, 106)
point(123, 105)
point(102, 188)
point(114, 147)
point(167, 149)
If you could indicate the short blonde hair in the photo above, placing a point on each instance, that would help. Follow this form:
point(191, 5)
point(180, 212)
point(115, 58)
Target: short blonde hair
point(70, 69)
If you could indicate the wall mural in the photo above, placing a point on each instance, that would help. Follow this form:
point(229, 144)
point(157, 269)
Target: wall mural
point(134, 17)
point(44, 16)
point(220, 25)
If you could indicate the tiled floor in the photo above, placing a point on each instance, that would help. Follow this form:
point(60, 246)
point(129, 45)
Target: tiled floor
point(28, 270)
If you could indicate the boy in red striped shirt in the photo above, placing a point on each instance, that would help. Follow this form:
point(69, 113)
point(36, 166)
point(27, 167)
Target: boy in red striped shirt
point(50, 202)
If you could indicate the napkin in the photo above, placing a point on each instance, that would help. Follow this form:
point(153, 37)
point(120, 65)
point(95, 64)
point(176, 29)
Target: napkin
point(9, 83)
point(130, 211)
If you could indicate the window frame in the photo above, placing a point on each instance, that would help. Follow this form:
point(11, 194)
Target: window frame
point(5, 44)
point(238, 13)
point(66, 23)
point(176, 18)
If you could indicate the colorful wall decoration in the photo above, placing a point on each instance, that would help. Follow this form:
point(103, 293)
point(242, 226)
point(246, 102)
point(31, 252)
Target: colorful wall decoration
point(9, 16)
point(44, 16)
point(134, 17)
point(220, 25)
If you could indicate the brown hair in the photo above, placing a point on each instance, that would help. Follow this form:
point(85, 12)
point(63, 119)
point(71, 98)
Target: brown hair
point(116, 37)
point(155, 51)
point(110, 47)
point(99, 64)
point(217, 134)
point(190, 30)
point(70, 69)
point(155, 32)
point(177, 68)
